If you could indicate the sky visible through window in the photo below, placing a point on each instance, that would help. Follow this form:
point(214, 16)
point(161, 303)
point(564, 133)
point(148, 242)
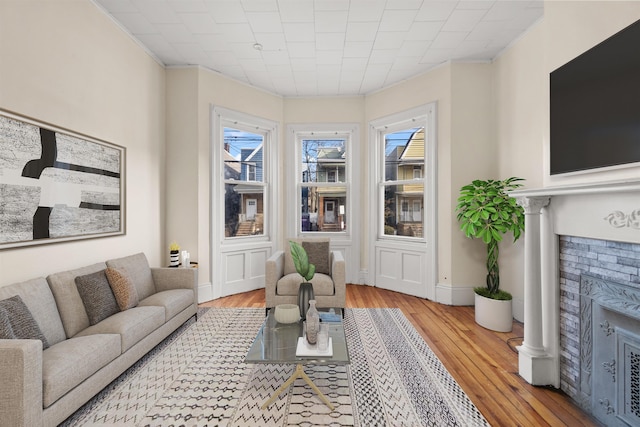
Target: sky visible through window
point(236, 140)
point(397, 139)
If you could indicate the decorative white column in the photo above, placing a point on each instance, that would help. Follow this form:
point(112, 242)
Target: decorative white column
point(535, 364)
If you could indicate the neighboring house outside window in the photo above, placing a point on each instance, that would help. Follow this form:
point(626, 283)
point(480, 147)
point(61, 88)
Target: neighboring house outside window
point(404, 199)
point(244, 201)
point(323, 183)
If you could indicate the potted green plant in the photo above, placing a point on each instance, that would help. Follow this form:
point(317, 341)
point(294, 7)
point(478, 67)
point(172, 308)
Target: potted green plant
point(307, 271)
point(485, 211)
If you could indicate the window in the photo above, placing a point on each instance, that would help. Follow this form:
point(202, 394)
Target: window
point(417, 172)
point(403, 206)
point(244, 199)
point(404, 159)
point(322, 181)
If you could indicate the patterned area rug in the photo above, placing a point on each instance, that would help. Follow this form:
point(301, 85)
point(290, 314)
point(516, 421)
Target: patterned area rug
point(197, 377)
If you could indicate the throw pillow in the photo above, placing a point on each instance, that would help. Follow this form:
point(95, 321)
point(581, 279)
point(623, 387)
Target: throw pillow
point(97, 296)
point(318, 253)
point(17, 322)
point(123, 288)
point(6, 331)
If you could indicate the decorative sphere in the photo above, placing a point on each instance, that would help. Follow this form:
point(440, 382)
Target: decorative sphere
point(287, 313)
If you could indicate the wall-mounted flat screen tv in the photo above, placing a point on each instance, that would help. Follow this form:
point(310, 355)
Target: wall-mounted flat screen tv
point(595, 107)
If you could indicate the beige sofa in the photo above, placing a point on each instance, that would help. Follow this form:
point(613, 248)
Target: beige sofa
point(329, 283)
point(43, 387)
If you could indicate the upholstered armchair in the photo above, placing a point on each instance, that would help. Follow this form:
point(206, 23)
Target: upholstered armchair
point(282, 281)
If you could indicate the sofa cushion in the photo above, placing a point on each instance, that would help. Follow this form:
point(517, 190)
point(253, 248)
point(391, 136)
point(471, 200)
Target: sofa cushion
point(97, 296)
point(289, 284)
point(318, 254)
point(289, 266)
point(173, 301)
point(123, 288)
point(70, 305)
point(132, 325)
point(68, 363)
point(17, 322)
point(37, 296)
point(137, 268)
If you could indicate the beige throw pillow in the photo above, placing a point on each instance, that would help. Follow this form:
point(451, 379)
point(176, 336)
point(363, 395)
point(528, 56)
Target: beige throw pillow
point(123, 288)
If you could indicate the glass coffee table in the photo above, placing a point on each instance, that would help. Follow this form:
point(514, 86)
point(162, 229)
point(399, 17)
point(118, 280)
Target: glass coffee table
point(276, 343)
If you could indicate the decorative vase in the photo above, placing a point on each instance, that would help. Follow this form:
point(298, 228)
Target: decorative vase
point(287, 313)
point(305, 294)
point(313, 322)
point(174, 257)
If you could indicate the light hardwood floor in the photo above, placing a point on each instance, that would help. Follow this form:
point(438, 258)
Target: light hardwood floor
point(484, 363)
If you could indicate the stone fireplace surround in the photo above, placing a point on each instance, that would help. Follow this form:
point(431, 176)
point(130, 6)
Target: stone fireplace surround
point(604, 215)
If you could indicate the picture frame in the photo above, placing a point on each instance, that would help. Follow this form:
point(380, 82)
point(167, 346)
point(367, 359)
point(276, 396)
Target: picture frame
point(57, 185)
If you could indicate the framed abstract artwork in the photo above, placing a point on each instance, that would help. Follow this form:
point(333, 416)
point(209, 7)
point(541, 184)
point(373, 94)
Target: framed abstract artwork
point(57, 185)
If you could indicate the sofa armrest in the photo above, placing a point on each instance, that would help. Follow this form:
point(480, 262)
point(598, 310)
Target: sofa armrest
point(166, 279)
point(21, 385)
point(274, 271)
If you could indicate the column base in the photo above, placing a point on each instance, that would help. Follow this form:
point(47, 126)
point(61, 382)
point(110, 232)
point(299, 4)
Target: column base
point(537, 368)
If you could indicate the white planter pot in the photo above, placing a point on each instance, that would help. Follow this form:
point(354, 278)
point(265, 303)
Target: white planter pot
point(494, 314)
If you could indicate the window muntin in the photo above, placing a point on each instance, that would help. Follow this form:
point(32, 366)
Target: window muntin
point(323, 193)
point(403, 183)
point(243, 158)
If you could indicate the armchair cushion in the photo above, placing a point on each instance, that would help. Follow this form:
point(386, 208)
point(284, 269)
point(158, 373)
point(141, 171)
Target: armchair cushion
point(289, 284)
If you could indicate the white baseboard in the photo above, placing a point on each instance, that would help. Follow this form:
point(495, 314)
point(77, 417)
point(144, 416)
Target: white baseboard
point(458, 295)
point(518, 309)
point(205, 292)
point(363, 278)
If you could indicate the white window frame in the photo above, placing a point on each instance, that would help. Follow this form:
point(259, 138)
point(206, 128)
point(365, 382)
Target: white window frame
point(422, 116)
point(399, 122)
point(295, 135)
point(222, 118)
point(426, 116)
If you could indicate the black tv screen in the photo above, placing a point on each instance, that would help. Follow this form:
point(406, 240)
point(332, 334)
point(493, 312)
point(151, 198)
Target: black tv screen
point(595, 106)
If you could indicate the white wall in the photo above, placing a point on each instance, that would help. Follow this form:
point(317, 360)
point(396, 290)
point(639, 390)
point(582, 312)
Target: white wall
point(522, 103)
point(466, 150)
point(434, 86)
point(521, 108)
point(67, 64)
point(571, 29)
point(191, 92)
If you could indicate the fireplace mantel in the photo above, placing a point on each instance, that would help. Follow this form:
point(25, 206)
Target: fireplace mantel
point(606, 211)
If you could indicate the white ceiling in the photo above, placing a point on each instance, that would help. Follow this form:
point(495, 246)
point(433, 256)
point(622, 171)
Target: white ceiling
point(322, 47)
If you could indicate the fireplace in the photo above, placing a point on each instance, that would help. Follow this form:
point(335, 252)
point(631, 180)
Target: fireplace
point(582, 296)
point(600, 327)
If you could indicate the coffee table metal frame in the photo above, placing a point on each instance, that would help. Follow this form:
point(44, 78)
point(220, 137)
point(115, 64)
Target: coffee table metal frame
point(276, 344)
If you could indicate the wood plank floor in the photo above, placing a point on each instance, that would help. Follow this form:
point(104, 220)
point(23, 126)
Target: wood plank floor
point(484, 363)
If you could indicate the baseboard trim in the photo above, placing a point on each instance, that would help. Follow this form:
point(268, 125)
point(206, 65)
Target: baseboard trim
point(205, 292)
point(458, 295)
